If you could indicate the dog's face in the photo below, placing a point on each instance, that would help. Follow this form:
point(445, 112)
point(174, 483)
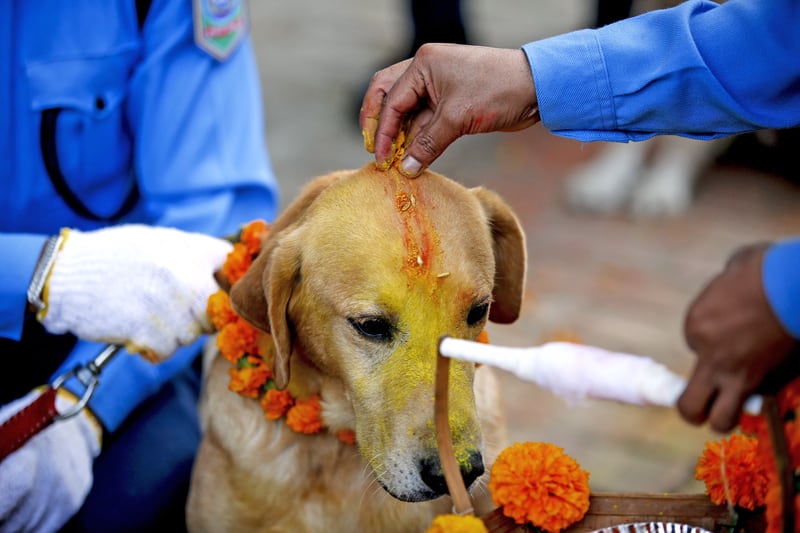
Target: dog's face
point(360, 278)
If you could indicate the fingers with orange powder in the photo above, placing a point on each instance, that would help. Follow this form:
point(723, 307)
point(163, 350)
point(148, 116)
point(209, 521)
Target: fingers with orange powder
point(444, 92)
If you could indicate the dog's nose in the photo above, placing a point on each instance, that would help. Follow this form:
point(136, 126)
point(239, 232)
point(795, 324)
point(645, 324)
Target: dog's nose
point(433, 475)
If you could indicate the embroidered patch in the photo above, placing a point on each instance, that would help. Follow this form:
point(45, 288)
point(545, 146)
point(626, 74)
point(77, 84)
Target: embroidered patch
point(219, 26)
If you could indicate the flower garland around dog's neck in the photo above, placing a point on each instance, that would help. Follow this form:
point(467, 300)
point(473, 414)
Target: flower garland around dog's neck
point(250, 350)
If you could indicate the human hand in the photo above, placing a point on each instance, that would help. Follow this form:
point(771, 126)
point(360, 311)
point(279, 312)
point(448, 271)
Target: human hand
point(444, 92)
point(46, 481)
point(139, 286)
point(741, 346)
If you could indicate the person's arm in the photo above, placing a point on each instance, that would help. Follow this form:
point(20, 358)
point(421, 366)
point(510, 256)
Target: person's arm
point(700, 69)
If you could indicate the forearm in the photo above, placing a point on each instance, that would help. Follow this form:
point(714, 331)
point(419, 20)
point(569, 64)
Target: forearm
point(781, 279)
point(717, 70)
point(20, 252)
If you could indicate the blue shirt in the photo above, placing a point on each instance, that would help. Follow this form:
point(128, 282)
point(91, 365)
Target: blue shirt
point(123, 114)
point(700, 70)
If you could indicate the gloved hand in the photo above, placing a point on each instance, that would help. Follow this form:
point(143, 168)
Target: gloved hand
point(44, 483)
point(140, 286)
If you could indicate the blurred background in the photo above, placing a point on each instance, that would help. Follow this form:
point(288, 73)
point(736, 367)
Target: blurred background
point(600, 275)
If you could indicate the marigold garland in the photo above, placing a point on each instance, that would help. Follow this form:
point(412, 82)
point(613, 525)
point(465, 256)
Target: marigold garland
point(537, 482)
point(453, 523)
point(750, 468)
point(241, 345)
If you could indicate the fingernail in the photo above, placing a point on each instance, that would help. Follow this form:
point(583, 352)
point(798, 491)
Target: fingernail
point(369, 143)
point(410, 167)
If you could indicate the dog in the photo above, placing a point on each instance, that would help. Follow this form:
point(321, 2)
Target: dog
point(356, 282)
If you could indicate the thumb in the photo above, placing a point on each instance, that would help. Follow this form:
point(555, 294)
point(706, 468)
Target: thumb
point(426, 144)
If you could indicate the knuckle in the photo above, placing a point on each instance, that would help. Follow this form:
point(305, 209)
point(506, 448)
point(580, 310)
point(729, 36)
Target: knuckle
point(427, 144)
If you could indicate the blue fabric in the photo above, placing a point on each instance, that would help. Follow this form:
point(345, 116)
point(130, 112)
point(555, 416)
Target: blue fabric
point(701, 70)
point(781, 278)
point(136, 106)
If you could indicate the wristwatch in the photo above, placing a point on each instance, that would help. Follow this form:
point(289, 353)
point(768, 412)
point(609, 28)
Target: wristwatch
point(42, 270)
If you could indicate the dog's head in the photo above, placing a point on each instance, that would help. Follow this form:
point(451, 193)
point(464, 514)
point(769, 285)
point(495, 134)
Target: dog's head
point(360, 277)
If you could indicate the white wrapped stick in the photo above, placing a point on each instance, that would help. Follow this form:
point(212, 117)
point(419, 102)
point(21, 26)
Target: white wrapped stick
point(575, 371)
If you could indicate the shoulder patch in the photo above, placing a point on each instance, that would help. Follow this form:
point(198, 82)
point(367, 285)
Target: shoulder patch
point(219, 26)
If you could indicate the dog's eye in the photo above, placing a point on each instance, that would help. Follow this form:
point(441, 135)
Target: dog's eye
point(373, 328)
point(477, 314)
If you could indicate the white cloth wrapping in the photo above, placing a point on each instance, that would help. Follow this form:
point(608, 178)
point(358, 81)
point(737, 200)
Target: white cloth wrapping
point(139, 286)
point(45, 482)
point(576, 371)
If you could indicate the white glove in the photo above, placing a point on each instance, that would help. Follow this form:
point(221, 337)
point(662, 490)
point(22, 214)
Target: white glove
point(45, 482)
point(139, 286)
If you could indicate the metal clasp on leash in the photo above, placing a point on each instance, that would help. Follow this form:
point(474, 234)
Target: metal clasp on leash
point(88, 375)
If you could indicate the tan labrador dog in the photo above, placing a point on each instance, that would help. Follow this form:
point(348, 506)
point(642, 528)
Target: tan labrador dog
point(357, 281)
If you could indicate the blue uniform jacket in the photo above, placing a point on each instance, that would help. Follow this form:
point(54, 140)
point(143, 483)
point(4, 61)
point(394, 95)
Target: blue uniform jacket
point(142, 126)
point(703, 69)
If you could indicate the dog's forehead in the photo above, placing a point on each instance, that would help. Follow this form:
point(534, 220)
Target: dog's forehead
point(428, 227)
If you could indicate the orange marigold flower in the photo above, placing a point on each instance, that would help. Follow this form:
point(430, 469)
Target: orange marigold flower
point(774, 512)
point(237, 263)
point(248, 381)
point(789, 397)
point(348, 436)
point(753, 425)
point(219, 310)
point(276, 403)
point(538, 483)
point(304, 416)
point(452, 523)
point(744, 473)
point(238, 339)
point(252, 235)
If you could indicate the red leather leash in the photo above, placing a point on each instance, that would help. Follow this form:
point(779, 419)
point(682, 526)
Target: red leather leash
point(42, 411)
point(23, 425)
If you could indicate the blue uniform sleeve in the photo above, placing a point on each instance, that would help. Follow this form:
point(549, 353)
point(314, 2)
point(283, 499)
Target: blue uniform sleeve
point(781, 280)
point(16, 270)
point(201, 163)
point(701, 70)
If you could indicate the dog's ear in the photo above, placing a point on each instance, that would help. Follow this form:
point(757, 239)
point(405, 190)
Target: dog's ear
point(509, 255)
point(262, 295)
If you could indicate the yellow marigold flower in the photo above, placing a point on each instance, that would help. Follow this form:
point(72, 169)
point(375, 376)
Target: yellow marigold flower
point(237, 263)
point(276, 403)
point(252, 235)
point(304, 416)
point(247, 381)
point(744, 474)
point(452, 523)
point(219, 310)
point(538, 483)
point(238, 339)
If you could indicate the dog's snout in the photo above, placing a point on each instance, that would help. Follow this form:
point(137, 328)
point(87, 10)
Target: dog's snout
point(433, 475)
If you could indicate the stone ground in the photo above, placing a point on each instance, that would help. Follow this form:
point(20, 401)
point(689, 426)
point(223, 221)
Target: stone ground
point(611, 281)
